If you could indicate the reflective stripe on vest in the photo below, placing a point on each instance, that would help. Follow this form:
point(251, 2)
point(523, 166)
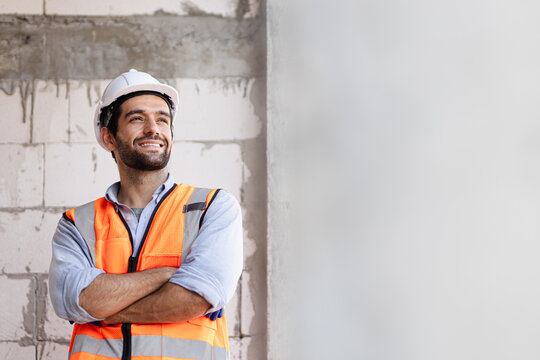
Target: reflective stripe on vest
point(97, 222)
point(84, 221)
point(150, 345)
point(192, 217)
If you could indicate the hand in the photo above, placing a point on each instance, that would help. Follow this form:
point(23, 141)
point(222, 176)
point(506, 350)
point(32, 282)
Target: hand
point(214, 315)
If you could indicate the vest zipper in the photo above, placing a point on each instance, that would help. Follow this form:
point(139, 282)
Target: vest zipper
point(126, 344)
point(132, 264)
point(132, 267)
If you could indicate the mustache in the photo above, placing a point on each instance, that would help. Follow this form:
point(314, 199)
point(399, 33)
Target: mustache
point(150, 137)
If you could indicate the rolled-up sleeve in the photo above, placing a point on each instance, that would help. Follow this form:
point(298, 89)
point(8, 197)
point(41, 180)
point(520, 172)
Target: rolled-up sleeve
point(71, 271)
point(214, 264)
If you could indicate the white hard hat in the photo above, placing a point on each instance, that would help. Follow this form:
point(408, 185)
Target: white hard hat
point(127, 83)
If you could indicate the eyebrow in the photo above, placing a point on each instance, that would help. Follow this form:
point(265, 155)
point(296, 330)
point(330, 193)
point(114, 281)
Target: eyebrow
point(139, 111)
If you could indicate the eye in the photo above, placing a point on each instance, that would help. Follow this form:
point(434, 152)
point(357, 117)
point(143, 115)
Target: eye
point(163, 120)
point(136, 118)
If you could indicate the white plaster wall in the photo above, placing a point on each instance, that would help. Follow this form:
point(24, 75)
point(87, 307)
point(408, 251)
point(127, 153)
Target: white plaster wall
point(33, 7)
point(403, 141)
point(226, 8)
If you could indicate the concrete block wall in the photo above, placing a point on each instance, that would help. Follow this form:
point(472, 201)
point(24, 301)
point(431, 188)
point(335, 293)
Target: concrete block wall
point(214, 56)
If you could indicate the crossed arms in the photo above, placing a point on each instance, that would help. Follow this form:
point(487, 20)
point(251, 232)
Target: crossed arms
point(141, 297)
point(205, 282)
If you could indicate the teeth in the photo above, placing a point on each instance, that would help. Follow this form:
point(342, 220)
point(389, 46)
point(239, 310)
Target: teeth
point(155, 145)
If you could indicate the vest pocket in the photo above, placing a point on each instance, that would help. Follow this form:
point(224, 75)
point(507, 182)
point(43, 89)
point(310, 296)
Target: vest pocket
point(204, 327)
point(159, 260)
point(112, 254)
point(204, 321)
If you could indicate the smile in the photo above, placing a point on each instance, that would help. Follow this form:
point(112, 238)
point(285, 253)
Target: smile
point(151, 145)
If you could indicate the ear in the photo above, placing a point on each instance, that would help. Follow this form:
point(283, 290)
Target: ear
point(108, 139)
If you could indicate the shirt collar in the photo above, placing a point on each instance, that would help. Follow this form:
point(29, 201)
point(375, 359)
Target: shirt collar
point(112, 192)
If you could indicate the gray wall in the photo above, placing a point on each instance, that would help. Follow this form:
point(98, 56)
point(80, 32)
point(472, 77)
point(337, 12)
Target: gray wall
point(404, 179)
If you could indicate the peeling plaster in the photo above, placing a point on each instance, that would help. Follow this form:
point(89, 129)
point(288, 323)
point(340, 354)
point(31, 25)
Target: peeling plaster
point(254, 198)
point(29, 311)
point(26, 89)
point(243, 9)
point(41, 306)
point(94, 159)
point(8, 86)
point(90, 85)
point(86, 47)
point(192, 10)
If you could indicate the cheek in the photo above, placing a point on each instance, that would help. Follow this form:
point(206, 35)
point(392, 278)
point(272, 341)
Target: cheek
point(167, 134)
point(125, 138)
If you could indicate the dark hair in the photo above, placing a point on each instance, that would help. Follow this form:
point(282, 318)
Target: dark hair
point(113, 121)
point(113, 111)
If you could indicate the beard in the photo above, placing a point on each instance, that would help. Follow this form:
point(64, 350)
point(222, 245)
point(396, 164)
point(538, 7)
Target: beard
point(142, 161)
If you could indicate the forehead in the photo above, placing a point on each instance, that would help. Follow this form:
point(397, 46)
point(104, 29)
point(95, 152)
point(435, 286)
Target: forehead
point(146, 103)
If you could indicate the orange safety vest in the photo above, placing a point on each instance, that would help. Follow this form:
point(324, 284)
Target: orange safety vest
point(167, 240)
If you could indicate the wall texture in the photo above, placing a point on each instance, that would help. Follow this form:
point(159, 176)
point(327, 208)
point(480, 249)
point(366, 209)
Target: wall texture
point(403, 142)
point(56, 57)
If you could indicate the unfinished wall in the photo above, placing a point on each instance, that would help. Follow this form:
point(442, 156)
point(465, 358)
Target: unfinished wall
point(56, 57)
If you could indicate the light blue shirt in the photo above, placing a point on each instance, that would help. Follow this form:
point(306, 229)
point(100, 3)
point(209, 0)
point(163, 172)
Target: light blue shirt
point(211, 269)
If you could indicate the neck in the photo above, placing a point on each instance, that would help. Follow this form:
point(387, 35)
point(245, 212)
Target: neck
point(138, 186)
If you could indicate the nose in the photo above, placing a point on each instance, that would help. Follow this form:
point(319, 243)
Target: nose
point(151, 126)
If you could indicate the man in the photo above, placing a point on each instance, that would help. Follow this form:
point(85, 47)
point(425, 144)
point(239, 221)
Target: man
point(147, 269)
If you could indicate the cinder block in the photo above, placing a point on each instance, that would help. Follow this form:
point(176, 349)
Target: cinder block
point(26, 240)
point(21, 184)
point(247, 308)
point(236, 348)
point(208, 166)
point(253, 289)
point(233, 307)
point(27, 7)
point(83, 98)
point(217, 109)
point(56, 329)
point(250, 245)
point(14, 299)
point(51, 121)
point(233, 315)
point(52, 351)
point(15, 351)
point(240, 347)
point(76, 174)
point(225, 8)
point(253, 282)
point(13, 118)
